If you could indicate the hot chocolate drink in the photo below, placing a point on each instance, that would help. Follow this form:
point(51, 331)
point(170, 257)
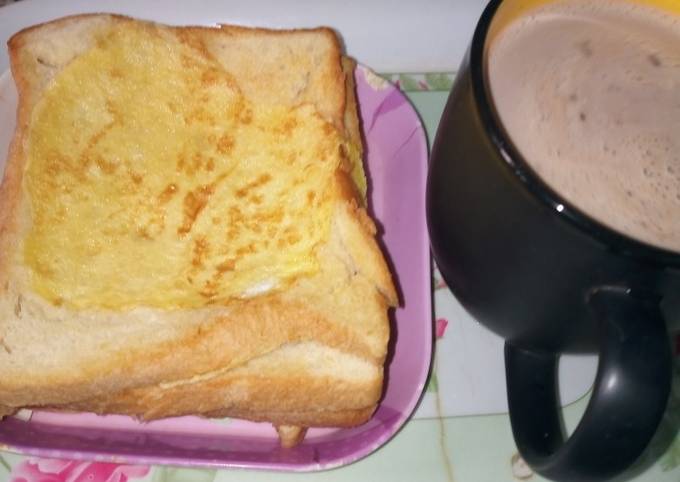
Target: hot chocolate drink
point(589, 93)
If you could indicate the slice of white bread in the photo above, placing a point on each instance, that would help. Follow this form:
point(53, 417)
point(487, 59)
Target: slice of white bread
point(305, 348)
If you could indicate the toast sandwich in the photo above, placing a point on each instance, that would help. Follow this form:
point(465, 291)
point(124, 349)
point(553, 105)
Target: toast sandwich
point(183, 227)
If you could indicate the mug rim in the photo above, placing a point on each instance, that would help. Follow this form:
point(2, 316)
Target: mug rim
point(539, 189)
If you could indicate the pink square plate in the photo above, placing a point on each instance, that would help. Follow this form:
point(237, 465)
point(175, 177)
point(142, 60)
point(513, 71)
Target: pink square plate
point(397, 167)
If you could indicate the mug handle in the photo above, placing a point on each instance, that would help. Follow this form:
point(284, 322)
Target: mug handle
point(629, 396)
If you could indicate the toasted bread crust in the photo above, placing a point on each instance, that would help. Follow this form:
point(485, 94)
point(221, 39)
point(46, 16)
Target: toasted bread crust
point(122, 362)
point(262, 390)
point(290, 435)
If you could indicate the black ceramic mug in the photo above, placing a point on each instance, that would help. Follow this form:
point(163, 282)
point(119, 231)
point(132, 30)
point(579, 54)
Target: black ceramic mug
point(550, 280)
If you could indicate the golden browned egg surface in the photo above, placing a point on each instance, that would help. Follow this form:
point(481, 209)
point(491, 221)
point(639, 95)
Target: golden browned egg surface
point(154, 182)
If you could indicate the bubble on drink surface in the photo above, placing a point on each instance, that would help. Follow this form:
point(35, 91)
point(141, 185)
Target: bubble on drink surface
point(585, 47)
point(654, 60)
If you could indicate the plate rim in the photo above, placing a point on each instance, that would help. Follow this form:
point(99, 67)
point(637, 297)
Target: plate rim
point(395, 424)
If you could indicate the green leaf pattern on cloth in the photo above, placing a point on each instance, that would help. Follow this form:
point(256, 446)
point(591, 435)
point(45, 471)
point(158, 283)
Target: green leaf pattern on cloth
point(408, 83)
point(4, 464)
point(432, 383)
point(179, 474)
point(439, 81)
point(433, 81)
